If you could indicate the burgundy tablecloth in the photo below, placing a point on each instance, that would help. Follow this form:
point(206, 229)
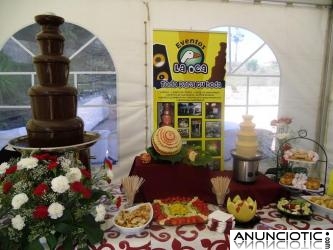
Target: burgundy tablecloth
point(164, 180)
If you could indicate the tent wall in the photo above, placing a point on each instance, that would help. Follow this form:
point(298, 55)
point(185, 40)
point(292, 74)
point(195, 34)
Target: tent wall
point(296, 35)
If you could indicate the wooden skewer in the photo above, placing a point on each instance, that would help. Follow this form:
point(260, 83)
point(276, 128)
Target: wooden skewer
point(220, 184)
point(131, 184)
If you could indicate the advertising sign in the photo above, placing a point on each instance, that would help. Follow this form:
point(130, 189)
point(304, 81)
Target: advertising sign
point(188, 93)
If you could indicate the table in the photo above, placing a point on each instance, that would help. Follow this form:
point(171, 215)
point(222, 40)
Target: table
point(198, 237)
point(165, 180)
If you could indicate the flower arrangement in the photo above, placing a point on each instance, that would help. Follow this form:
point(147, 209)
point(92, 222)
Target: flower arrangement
point(50, 196)
point(281, 120)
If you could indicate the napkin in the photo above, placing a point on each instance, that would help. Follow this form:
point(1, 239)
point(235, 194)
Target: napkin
point(220, 222)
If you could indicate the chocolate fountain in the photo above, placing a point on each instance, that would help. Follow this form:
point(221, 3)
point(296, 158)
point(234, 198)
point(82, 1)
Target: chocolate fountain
point(54, 124)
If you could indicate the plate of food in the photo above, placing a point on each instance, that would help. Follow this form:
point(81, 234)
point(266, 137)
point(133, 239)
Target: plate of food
point(322, 204)
point(295, 208)
point(133, 220)
point(301, 182)
point(301, 155)
point(180, 211)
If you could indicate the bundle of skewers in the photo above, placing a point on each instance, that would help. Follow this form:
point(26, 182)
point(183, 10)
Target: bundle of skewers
point(220, 188)
point(130, 186)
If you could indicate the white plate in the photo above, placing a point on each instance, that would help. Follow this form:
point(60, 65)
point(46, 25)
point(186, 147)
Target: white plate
point(320, 190)
point(325, 211)
point(302, 161)
point(134, 230)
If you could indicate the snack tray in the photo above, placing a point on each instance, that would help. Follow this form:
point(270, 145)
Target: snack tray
point(320, 190)
point(138, 229)
point(289, 153)
point(302, 161)
point(325, 211)
point(294, 216)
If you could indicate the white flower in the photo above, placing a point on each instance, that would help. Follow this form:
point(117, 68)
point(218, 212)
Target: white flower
point(60, 184)
point(18, 222)
point(18, 200)
point(3, 167)
point(55, 210)
point(74, 175)
point(28, 163)
point(65, 163)
point(100, 213)
point(109, 173)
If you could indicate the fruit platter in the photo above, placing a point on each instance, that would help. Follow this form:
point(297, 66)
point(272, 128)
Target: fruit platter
point(295, 208)
point(175, 211)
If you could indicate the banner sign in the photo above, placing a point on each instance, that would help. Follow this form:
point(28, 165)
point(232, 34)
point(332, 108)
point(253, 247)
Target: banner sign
point(188, 93)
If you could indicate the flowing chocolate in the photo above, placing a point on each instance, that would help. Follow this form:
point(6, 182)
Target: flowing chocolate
point(54, 120)
point(218, 70)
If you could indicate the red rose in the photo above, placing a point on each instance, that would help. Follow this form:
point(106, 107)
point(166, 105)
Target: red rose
point(77, 187)
point(41, 189)
point(118, 201)
point(46, 157)
point(108, 163)
point(52, 165)
point(11, 169)
point(86, 193)
point(53, 158)
point(42, 156)
point(6, 186)
point(86, 173)
point(40, 212)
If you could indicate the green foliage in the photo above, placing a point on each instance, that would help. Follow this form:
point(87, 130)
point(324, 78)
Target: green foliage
point(46, 180)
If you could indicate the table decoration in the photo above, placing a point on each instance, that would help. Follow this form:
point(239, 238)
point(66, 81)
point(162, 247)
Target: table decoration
point(295, 208)
point(51, 196)
point(131, 185)
point(180, 211)
point(167, 146)
point(190, 155)
point(243, 210)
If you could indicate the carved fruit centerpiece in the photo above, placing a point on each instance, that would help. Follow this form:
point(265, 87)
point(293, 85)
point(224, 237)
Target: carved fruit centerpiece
point(242, 210)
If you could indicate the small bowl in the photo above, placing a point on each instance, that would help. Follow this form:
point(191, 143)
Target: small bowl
point(133, 230)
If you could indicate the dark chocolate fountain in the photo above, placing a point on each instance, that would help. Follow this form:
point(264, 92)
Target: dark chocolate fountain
point(55, 125)
point(54, 103)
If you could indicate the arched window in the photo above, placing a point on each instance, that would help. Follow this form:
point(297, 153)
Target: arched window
point(92, 72)
point(252, 79)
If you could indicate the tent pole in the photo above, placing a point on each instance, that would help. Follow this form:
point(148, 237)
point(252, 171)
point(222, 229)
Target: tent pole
point(326, 85)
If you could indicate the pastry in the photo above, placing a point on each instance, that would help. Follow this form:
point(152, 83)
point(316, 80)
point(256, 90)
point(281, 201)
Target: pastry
point(166, 140)
point(287, 178)
point(313, 183)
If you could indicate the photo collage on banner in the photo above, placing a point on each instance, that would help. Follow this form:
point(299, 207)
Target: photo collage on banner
point(189, 87)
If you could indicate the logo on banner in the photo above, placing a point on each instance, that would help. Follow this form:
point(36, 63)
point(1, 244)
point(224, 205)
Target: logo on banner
point(280, 239)
point(190, 59)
